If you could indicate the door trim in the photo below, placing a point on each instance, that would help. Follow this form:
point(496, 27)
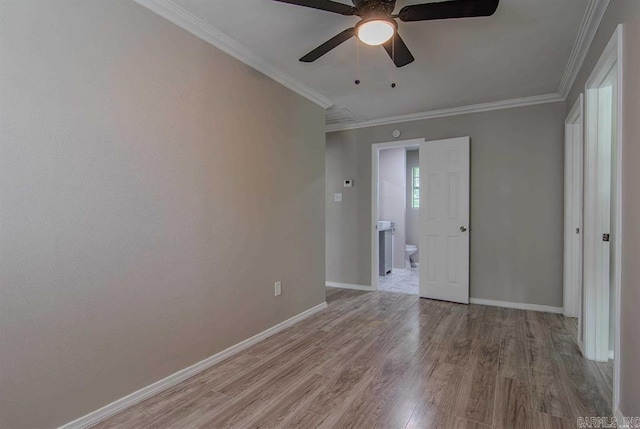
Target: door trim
point(574, 166)
point(594, 292)
point(375, 161)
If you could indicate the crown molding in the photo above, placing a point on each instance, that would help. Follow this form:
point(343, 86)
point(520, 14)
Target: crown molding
point(462, 110)
point(588, 28)
point(185, 20)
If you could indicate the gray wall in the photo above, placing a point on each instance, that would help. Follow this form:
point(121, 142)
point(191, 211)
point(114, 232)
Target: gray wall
point(413, 215)
point(628, 13)
point(517, 185)
point(391, 197)
point(152, 190)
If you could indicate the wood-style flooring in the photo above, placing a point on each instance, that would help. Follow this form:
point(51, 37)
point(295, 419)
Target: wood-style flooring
point(387, 360)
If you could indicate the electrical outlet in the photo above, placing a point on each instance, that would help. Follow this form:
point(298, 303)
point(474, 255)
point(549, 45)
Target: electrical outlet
point(278, 288)
point(337, 197)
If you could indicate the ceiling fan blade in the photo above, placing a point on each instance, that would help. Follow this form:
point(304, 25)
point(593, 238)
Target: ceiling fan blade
point(448, 9)
point(398, 51)
point(329, 45)
point(327, 5)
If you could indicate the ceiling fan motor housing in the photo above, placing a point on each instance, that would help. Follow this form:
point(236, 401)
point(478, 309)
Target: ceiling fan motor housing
point(374, 8)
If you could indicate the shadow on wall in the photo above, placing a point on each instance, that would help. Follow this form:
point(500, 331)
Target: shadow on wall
point(391, 204)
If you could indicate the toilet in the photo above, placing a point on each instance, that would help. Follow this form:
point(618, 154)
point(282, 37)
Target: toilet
point(409, 250)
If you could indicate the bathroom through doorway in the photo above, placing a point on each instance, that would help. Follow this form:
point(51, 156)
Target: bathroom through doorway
point(438, 194)
point(396, 217)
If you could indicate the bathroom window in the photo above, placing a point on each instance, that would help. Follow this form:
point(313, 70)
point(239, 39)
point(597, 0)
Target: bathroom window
point(415, 187)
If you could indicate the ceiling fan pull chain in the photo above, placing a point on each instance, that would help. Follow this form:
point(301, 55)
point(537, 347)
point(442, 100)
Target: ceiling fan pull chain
point(393, 58)
point(357, 61)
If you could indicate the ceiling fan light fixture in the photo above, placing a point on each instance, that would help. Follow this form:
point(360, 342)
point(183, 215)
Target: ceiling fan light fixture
point(375, 32)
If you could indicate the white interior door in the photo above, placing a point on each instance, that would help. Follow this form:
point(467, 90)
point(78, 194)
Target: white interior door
point(444, 220)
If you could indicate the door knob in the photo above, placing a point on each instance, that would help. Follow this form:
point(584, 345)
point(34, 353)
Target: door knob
point(463, 229)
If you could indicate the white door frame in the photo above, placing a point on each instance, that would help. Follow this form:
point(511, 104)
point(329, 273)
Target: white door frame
point(573, 173)
point(596, 292)
point(375, 162)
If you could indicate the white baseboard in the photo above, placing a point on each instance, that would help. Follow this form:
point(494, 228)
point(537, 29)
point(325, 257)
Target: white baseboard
point(138, 396)
point(348, 286)
point(518, 305)
point(620, 418)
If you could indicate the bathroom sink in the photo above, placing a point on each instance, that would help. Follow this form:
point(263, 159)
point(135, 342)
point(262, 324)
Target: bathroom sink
point(383, 225)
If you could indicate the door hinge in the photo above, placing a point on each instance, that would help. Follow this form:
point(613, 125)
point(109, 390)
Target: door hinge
point(605, 237)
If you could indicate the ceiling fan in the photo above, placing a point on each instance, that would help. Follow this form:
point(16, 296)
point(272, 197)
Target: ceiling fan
point(378, 26)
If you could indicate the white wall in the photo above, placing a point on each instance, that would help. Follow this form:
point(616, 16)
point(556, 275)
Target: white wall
point(152, 190)
point(517, 202)
point(391, 198)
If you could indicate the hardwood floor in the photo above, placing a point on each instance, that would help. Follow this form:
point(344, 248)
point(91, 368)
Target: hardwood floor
point(386, 360)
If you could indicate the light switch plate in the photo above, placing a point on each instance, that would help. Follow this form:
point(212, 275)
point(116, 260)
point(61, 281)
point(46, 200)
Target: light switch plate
point(277, 288)
point(337, 197)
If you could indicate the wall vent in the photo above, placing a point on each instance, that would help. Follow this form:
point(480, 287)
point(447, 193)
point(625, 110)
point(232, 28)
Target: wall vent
point(342, 115)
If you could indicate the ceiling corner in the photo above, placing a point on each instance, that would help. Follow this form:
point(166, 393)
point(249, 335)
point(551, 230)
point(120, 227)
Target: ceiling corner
point(183, 19)
point(588, 28)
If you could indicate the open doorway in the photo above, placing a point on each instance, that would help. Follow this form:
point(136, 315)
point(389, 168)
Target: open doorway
point(436, 191)
point(602, 210)
point(395, 211)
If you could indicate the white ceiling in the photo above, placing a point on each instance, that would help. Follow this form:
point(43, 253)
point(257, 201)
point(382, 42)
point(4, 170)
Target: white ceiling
point(521, 51)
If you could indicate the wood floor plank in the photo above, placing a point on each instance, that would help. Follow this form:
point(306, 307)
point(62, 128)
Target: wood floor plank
point(546, 421)
point(604, 371)
point(303, 419)
point(513, 326)
point(387, 360)
point(192, 414)
point(335, 393)
point(260, 398)
point(478, 385)
point(394, 412)
point(440, 388)
point(513, 405)
point(380, 403)
point(549, 395)
point(152, 409)
point(513, 359)
point(581, 387)
point(437, 419)
point(459, 350)
point(292, 401)
point(269, 368)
